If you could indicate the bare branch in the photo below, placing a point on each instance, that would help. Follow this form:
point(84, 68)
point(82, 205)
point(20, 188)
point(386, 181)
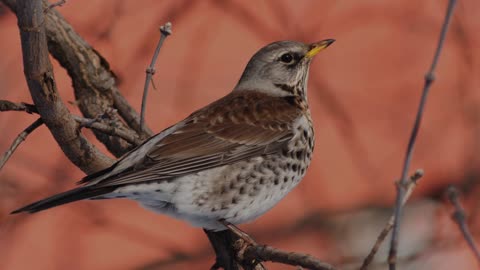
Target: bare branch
point(93, 80)
point(388, 227)
point(402, 184)
point(56, 4)
point(20, 138)
point(41, 83)
point(6, 105)
point(459, 217)
point(262, 253)
point(235, 248)
point(165, 31)
point(127, 135)
point(94, 124)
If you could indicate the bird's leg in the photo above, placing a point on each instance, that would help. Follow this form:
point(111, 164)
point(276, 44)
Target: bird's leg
point(241, 234)
point(241, 246)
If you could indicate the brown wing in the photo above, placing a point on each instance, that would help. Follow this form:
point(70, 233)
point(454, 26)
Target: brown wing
point(242, 125)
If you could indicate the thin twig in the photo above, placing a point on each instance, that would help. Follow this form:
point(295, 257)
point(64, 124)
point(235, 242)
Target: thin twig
point(20, 138)
point(459, 217)
point(402, 184)
point(165, 31)
point(261, 253)
point(388, 227)
point(6, 105)
point(128, 136)
point(108, 129)
point(56, 4)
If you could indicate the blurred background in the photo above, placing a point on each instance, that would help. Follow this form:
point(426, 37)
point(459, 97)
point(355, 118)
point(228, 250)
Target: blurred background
point(363, 92)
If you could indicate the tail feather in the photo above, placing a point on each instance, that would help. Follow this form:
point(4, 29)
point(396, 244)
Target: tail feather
point(76, 194)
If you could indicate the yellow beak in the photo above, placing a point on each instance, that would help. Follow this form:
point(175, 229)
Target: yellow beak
point(318, 46)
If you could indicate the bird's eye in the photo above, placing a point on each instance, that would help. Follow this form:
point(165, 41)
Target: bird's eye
point(286, 58)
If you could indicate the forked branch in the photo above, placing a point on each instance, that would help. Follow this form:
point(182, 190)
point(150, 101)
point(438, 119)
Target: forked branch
point(165, 31)
point(402, 184)
point(20, 138)
point(460, 218)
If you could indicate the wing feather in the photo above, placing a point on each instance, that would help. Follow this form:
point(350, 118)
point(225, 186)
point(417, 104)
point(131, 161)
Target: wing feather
point(237, 127)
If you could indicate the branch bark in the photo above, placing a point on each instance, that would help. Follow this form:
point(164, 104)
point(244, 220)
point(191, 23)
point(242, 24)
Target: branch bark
point(41, 83)
point(20, 138)
point(93, 81)
point(402, 184)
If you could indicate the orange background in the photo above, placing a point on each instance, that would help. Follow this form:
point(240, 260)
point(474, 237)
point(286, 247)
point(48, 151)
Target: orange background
point(363, 92)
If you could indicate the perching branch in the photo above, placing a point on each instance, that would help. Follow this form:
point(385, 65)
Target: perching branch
point(402, 184)
point(459, 217)
point(388, 227)
point(263, 253)
point(165, 31)
point(20, 138)
point(233, 252)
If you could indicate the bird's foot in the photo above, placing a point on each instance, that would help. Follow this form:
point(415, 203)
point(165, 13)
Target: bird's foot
point(238, 232)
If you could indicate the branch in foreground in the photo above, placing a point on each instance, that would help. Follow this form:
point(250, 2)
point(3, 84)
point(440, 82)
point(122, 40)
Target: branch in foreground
point(56, 4)
point(127, 135)
point(38, 72)
point(165, 31)
point(93, 81)
point(6, 105)
point(459, 217)
point(402, 185)
point(388, 227)
point(108, 129)
point(20, 138)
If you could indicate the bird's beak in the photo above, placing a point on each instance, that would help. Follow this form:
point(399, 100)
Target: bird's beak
point(318, 46)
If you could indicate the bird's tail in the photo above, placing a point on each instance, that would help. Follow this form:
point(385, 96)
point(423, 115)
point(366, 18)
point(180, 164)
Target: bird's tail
point(63, 198)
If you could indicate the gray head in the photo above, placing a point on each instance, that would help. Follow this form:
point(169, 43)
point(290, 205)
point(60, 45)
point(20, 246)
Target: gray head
point(281, 68)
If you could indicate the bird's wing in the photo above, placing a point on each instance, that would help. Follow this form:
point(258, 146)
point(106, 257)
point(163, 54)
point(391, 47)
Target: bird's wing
point(238, 127)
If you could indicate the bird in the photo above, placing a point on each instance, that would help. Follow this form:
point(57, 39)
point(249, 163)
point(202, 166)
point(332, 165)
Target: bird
point(228, 162)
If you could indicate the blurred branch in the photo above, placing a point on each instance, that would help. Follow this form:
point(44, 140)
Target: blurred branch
point(459, 217)
point(6, 105)
point(388, 227)
point(20, 138)
point(165, 31)
point(56, 4)
point(402, 184)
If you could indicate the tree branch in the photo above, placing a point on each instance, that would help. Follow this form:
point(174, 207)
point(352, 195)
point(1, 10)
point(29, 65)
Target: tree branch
point(20, 138)
point(93, 81)
point(459, 217)
point(165, 31)
point(388, 227)
point(56, 4)
point(39, 75)
point(6, 105)
point(402, 184)
point(263, 253)
point(107, 129)
point(127, 135)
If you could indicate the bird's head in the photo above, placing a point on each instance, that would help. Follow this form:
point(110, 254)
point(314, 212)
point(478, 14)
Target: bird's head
point(281, 68)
